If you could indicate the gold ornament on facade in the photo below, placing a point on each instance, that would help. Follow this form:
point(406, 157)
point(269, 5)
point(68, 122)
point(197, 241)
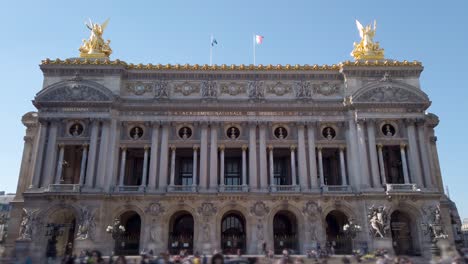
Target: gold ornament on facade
point(367, 49)
point(95, 46)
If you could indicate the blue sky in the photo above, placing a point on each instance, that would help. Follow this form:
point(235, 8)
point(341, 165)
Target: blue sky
point(296, 32)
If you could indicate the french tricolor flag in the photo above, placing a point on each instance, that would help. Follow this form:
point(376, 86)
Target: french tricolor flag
point(258, 39)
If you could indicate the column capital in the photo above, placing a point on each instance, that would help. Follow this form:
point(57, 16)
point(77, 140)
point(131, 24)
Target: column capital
point(292, 147)
point(196, 147)
point(420, 121)
point(270, 147)
point(61, 145)
point(433, 139)
point(173, 147)
point(214, 124)
point(311, 124)
point(252, 123)
point(341, 147)
point(263, 124)
point(361, 121)
point(123, 148)
point(85, 145)
point(380, 146)
point(244, 147)
point(165, 123)
point(300, 124)
point(155, 124)
point(203, 124)
point(402, 145)
point(319, 148)
point(221, 147)
point(146, 147)
point(410, 121)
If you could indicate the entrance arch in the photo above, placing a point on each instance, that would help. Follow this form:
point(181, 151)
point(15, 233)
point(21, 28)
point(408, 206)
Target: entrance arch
point(285, 232)
point(233, 233)
point(60, 232)
point(129, 242)
point(181, 230)
point(335, 220)
point(403, 232)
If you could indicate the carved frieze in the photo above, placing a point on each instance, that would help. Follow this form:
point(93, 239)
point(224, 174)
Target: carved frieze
point(388, 94)
point(256, 90)
point(139, 88)
point(279, 89)
point(326, 88)
point(209, 89)
point(155, 209)
point(207, 209)
point(187, 88)
point(161, 90)
point(312, 209)
point(233, 88)
point(303, 90)
point(259, 209)
point(74, 92)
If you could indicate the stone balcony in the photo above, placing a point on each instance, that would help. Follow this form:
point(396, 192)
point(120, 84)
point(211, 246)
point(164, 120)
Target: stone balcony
point(233, 188)
point(182, 188)
point(336, 188)
point(285, 188)
point(64, 188)
point(405, 187)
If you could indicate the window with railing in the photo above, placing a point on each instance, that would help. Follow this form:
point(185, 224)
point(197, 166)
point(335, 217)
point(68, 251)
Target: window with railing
point(331, 166)
point(393, 165)
point(281, 171)
point(232, 171)
point(186, 171)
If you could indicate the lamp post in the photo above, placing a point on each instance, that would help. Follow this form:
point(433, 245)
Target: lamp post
point(351, 230)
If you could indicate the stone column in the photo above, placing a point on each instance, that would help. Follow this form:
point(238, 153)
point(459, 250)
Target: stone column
point(204, 157)
point(342, 166)
point(253, 156)
point(363, 161)
point(173, 155)
point(293, 165)
point(145, 166)
point(153, 156)
point(414, 164)
point(383, 177)
point(195, 165)
point(244, 165)
point(353, 159)
point(163, 158)
point(320, 165)
point(84, 159)
point(272, 167)
point(214, 157)
point(404, 163)
point(424, 154)
point(90, 169)
point(58, 176)
point(51, 155)
point(301, 153)
point(373, 154)
point(262, 155)
point(40, 154)
point(312, 156)
point(221, 164)
point(123, 160)
point(113, 156)
point(103, 150)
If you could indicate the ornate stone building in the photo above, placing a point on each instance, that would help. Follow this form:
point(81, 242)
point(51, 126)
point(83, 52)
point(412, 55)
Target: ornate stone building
point(227, 157)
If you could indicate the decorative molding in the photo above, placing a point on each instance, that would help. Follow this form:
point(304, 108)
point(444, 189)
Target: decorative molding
point(139, 88)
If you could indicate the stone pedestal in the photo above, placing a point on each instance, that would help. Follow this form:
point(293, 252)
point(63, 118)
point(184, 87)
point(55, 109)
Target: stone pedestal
point(384, 244)
point(22, 249)
point(206, 249)
point(82, 244)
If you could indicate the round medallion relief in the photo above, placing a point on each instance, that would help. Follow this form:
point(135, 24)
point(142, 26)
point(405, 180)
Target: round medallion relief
point(185, 132)
point(233, 132)
point(136, 132)
point(76, 130)
point(281, 132)
point(329, 133)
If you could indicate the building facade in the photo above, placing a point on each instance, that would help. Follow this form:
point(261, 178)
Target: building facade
point(227, 158)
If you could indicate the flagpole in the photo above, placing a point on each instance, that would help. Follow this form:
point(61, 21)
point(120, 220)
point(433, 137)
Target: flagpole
point(211, 50)
point(254, 48)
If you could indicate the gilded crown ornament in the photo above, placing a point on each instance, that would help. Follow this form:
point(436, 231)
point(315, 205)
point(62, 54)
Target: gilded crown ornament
point(367, 49)
point(95, 46)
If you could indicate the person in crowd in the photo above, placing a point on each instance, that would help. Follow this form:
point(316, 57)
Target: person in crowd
point(217, 259)
point(121, 260)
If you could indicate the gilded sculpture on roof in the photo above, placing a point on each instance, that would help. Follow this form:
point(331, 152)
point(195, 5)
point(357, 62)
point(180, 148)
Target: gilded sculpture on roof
point(95, 46)
point(367, 49)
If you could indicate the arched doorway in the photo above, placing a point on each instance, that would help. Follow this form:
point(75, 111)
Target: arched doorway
point(129, 242)
point(60, 233)
point(233, 233)
point(285, 232)
point(402, 233)
point(336, 238)
point(181, 233)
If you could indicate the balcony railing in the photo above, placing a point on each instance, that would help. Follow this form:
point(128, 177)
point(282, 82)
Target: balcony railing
point(405, 187)
point(182, 188)
point(233, 188)
point(336, 188)
point(64, 188)
point(285, 188)
point(130, 188)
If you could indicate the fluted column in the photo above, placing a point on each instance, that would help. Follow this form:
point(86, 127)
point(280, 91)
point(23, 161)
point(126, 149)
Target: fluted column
point(145, 166)
point(214, 157)
point(204, 157)
point(363, 161)
point(272, 166)
point(353, 159)
point(123, 160)
point(154, 156)
point(424, 154)
point(103, 153)
point(51, 155)
point(195, 165)
point(91, 159)
point(373, 154)
point(343, 166)
point(414, 164)
point(173, 156)
point(58, 176)
point(163, 158)
point(301, 153)
point(383, 177)
point(253, 156)
point(84, 158)
point(221, 164)
point(244, 165)
point(262, 156)
point(404, 163)
point(112, 170)
point(320, 165)
point(39, 154)
point(293, 165)
point(312, 156)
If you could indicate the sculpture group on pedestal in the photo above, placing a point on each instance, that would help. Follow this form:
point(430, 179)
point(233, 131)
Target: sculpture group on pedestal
point(27, 224)
point(379, 221)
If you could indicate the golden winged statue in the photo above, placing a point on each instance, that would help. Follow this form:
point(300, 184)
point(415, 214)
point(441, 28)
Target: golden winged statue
point(95, 46)
point(367, 49)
